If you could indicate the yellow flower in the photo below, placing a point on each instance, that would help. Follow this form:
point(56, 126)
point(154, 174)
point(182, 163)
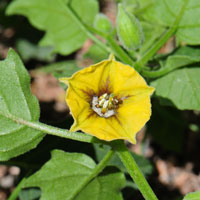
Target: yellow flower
point(109, 100)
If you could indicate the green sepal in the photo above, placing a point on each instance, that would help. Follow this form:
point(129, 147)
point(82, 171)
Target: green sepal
point(129, 30)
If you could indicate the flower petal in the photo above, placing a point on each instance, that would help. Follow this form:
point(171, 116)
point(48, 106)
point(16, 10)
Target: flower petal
point(125, 79)
point(79, 107)
point(90, 78)
point(103, 128)
point(124, 82)
point(134, 113)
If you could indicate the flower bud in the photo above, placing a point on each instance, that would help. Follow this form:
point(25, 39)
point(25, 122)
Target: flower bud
point(129, 30)
point(102, 23)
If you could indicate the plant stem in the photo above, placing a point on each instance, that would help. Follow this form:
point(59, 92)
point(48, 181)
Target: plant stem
point(15, 193)
point(53, 130)
point(63, 132)
point(140, 63)
point(116, 48)
point(94, 173)
point(157, 73)
point(120, 53)
point(133, 170)
point(124, 57)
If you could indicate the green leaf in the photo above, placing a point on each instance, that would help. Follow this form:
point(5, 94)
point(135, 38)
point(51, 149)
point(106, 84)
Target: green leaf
point(181, 87)
point(16, 101)
point(163, 13)
point(29, 51)
point(62, 31)
point(143, 163)
point(59, 178)
point(30, 194)
point(192, 196)
point(182, 57)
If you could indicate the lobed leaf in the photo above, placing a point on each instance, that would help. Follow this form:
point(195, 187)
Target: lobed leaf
point(16, 101)
point(181, 87)
point(67, 170)
point(62, 31)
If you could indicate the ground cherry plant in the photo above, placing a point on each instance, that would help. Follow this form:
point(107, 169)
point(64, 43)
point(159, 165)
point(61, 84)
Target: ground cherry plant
point(109, 101)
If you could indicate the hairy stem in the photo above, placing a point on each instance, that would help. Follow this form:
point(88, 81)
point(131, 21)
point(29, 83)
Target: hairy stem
point(94, 173)
point(115, 47)
point(53, 130)
point(133, 170)
point(120, 53)
point(141, 62)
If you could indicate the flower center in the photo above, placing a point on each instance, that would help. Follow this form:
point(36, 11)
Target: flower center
point(105, 105)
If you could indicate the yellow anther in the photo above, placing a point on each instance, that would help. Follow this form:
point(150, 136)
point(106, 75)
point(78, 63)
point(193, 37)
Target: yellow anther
point(98, 106)
point(110, 99)
point(103, 96)
point(101, 102)
point(105, 105)
point(107, 102)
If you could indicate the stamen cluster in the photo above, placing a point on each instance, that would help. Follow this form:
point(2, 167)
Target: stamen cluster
point(105, 105)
